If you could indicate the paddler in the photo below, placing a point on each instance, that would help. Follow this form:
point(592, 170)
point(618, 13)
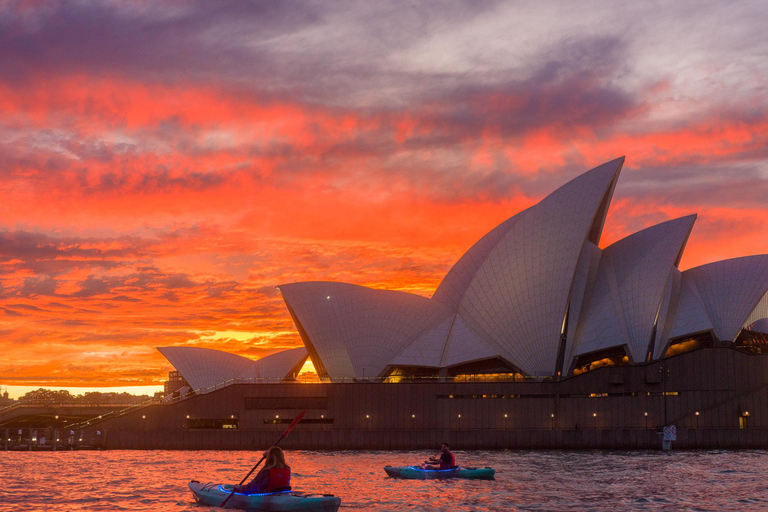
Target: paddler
point(275, 476)
point(445, 459)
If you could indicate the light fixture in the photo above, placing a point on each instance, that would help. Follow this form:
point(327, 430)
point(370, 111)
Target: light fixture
point(505, 415)
point(459, 415)
point(552, 415)
point(367, 416)
point(697, 413)
point(594, 415)
point(746, 413)
point(646, 414)
point(187, 416)
point(143, 417)
point(413, 415)
point(277, 416)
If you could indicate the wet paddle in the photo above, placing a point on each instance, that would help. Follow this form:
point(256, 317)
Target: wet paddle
point(290, 427)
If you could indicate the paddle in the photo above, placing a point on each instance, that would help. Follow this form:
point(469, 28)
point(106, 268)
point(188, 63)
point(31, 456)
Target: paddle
point(290, 427)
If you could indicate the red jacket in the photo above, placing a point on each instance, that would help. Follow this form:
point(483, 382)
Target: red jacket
point(447, 461)
point(267, 480)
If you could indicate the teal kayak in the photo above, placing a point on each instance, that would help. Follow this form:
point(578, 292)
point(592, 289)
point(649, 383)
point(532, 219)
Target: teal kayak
point(418, 473)
point(215, 494)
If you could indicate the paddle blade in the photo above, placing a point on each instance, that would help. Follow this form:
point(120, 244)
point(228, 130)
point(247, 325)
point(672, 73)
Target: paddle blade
point(294, 422)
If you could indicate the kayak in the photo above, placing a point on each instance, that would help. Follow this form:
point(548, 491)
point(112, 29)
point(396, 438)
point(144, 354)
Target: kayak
point(419, 473)
point(215, 494)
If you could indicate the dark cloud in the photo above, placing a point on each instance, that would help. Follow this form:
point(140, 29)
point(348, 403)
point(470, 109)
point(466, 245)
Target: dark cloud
point(268, 47)
point(36, 286)
point(24, 306)
point(694, 183)
point(51, 256)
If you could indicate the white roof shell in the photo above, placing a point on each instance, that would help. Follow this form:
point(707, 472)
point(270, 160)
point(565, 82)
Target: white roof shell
point(204, 367)
point(508, 295)
point(354, 332)
point(629, 289)
point(517, 299)
point(760, 325)
point(721, 296)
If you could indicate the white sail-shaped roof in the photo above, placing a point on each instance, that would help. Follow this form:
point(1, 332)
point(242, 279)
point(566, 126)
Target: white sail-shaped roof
point(760, 325)
point(517, 299)
point(285, 364)
point(537, 293)
point(354, 332)
point(204, 367)
point(629, 290)
point(721, 295)
point(759, 313)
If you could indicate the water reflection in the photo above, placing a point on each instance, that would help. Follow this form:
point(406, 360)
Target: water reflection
point(546, 481)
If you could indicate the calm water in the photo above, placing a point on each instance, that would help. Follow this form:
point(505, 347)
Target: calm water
point(600, 481)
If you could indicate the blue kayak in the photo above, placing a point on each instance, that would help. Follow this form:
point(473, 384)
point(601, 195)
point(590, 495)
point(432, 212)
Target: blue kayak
point(215, 494)
point(419, 473)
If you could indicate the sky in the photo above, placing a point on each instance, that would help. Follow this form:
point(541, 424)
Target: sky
point(165, 165)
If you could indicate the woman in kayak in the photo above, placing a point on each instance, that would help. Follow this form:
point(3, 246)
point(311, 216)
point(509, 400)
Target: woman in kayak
point(275, 476)
point(446, 459)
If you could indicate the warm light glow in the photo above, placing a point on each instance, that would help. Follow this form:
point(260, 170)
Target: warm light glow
point(697, 413)
point(152, 197)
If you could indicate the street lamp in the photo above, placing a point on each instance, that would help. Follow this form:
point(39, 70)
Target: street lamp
point(552, 416)
point(646, 419)
point(594, 420)
point(697, 419)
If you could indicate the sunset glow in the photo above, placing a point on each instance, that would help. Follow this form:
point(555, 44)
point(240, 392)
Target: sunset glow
point(163, 167)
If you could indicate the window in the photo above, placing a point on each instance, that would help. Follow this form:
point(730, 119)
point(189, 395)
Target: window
point(213, 423)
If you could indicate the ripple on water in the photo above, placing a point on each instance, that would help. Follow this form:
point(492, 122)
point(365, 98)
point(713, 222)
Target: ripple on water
point(526, 481)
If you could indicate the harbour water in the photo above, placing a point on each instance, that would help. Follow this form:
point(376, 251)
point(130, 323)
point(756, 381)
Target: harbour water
point(525, 480)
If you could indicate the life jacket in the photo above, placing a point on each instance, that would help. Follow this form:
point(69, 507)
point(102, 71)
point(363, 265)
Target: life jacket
point(451, 464)
point(279, 479)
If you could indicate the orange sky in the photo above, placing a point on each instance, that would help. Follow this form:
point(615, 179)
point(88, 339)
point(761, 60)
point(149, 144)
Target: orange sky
point(153, 196)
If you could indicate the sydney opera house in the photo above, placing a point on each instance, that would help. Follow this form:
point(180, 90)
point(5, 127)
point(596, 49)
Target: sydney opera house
point(535, 337)
point(537, 297)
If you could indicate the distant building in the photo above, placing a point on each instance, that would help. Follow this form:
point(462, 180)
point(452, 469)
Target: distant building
point(174, 383)
point(5, 400)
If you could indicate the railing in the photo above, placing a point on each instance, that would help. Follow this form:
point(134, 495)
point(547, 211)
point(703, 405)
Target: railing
point(170, 400)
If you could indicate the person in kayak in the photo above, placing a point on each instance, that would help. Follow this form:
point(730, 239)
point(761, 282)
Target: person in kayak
point(275, 476)
point(446, 459)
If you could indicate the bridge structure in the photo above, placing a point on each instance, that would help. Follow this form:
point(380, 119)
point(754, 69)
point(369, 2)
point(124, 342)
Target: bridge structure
point(36, 426)
point(54, 415)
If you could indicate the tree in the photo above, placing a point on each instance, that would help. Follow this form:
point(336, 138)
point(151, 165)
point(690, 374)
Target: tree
point(47, 395)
